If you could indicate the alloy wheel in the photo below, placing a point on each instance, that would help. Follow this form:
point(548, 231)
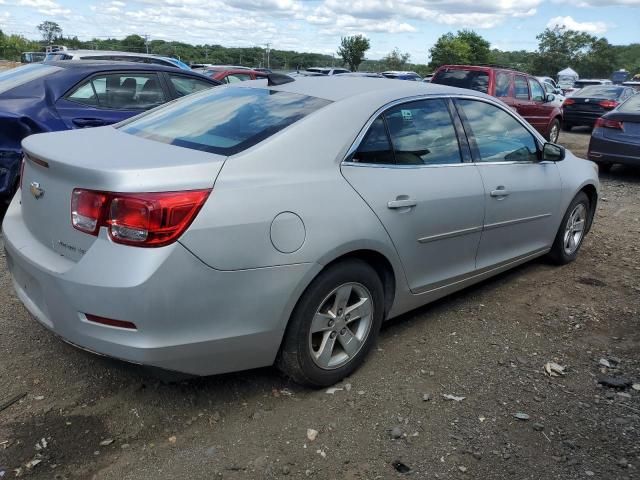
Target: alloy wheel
point(341, 325)
point(574, 229)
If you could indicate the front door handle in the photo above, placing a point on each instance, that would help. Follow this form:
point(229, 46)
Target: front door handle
point(88, 122)
point(401, 203)
point(500, 192)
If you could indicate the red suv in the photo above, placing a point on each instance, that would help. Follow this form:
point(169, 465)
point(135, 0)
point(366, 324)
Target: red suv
point(520, 91)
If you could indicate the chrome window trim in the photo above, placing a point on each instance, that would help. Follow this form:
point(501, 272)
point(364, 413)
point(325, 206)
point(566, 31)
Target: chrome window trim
point(490, 100)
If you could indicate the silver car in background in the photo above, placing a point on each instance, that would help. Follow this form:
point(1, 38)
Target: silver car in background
point(252, 224)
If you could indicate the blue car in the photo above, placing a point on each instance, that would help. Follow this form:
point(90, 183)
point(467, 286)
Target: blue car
point(53, 96)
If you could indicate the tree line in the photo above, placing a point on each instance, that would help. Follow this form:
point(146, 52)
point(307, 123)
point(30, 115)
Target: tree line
point(558, 48)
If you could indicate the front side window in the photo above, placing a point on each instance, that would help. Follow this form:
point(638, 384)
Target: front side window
point(499, 137)
point(120, 91)
point(187, 85)
point(521, 89)
point(537, 93)
point(503, 84)
point(224, 120)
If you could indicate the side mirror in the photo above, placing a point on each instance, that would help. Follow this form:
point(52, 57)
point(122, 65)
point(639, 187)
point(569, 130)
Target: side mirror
point(550, 97)
point(552, 152)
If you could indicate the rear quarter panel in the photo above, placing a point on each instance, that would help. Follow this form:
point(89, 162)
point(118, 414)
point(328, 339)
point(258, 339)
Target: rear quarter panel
point(297, 171)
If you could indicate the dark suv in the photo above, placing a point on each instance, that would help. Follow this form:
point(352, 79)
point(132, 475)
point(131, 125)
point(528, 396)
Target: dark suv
point(520, 91)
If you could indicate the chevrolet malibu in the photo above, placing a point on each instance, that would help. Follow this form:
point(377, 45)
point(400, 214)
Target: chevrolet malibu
point(283, 223)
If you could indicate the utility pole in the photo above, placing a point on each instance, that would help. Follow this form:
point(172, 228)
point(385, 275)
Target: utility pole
point(146, 41)
point(268, 51)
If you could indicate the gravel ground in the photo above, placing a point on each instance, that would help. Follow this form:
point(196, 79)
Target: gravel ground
point(106, 420)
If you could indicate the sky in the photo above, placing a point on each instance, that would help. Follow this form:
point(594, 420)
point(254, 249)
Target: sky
point(317, 25)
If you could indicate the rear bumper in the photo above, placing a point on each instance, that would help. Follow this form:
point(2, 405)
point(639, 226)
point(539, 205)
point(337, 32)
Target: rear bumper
point(588, 119)
point(190, 318)
point(606, 150)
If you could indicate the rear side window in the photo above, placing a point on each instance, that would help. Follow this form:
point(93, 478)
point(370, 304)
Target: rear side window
point(521, 89)
point(503, 84)
point(631, 106)
point(471, 79)
point(237, 77)
point(14, 77)
point(375, 147)
point(120, 91)
point(416, 133)
point(224, 120)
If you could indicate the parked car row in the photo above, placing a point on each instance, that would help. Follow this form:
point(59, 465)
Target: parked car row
point(523, 93)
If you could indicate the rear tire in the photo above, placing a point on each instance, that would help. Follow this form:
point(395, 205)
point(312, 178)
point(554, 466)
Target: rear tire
point(334, 325)
point(572, 231)
point(567, 127)
point(604, 166)
point(554, 131)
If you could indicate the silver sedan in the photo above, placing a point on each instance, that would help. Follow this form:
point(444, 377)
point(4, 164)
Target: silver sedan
point(257, 224)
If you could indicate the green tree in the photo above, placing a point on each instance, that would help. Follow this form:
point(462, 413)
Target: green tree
point(480, 51)
point(352, 50)
point(449, 49)
point(50, 31)
point(134, 43)
point(395, 60)
point(560, 47)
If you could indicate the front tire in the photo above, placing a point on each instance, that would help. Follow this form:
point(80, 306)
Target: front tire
point(334, 325)
point(572, 231)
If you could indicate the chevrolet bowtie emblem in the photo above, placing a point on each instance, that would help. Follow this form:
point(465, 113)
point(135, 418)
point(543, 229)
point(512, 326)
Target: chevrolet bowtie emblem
point(36, 191)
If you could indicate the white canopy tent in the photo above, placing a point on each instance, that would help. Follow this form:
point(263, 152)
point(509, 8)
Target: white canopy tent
point(568, 75)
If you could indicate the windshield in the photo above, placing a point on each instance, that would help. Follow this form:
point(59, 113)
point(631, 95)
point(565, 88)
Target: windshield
point(53, 57)
point(224, 120)
point(15, 77)
point(631, 106)
point(599, 91)
point(471, 79)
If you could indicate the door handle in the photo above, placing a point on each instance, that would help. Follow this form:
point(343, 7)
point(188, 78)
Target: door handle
point(401, 203)
point(88, 122)
point(500, 192)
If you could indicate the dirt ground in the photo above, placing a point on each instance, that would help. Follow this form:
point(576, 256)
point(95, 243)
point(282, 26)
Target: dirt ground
point(106, 420)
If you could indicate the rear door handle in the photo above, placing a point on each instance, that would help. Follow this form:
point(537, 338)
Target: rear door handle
point(500, 192)
point(402, 203)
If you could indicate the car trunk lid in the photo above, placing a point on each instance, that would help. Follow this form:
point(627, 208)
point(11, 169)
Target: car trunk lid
point(630, 132)
point(103, 159)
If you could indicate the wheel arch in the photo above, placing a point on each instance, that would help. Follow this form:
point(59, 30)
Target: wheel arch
point(592, 193)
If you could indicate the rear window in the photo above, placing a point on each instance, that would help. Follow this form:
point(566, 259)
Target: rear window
point(631, 106)
point(15, 77)
point(600, 91)
point(223, 120)
point(471, 79)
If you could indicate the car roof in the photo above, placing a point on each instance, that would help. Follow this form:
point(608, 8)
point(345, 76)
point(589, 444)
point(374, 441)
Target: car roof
point(112, 65)
point(336, 88)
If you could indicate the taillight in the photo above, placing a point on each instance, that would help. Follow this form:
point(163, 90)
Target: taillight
point(568, 101)
point(606, 123)
point(608, 104)
point(142, 219)
point(87, 210)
